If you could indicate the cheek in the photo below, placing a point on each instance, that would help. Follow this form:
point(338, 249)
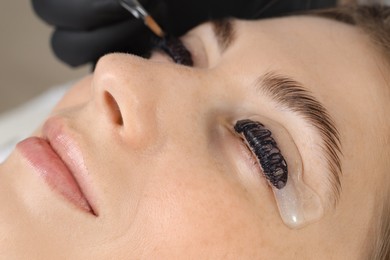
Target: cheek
point(78, 94)
point(198, 209)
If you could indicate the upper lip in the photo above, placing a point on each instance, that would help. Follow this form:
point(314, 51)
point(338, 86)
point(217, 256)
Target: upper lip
point(59, 137)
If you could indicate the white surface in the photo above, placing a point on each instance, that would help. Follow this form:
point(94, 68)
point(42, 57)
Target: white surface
point(19, 123)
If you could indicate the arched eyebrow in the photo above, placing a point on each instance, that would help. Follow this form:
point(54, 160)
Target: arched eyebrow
point(292, 95)
point(295, 97)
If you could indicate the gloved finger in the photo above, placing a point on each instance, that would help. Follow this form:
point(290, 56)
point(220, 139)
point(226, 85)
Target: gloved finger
point(80, 14)
point(79, 47)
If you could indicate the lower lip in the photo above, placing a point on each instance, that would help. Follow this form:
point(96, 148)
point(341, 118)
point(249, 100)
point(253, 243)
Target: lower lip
point(49, 166)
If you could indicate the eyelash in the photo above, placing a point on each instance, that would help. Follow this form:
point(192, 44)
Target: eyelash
point(175, 48)
point(259, 139)
point(262, 144)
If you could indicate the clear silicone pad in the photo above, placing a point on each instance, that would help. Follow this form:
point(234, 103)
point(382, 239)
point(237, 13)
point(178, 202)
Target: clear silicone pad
point(298, 204)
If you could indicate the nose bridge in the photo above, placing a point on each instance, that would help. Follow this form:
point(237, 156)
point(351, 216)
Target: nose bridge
point(152, 97)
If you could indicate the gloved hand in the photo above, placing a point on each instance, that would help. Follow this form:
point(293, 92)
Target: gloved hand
point(87, 29)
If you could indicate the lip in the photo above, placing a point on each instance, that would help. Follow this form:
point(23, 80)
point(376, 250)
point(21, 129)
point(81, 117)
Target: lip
point(57, 159)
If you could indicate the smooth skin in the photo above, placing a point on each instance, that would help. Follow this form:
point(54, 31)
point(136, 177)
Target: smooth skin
point(172, 181)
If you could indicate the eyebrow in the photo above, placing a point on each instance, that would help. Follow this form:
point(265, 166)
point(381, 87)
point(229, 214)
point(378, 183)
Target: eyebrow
point(224, 32)
point(294, 96)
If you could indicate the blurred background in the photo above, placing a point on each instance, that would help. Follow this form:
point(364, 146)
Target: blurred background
point(27, 65)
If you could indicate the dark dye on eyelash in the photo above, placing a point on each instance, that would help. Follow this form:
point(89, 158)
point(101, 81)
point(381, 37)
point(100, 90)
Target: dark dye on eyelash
point(175, 48)
point(266, 150)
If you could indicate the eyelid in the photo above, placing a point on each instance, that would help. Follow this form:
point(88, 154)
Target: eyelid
point(175, 49)
point(298, 204)
point(261, 142)
point(197, 47)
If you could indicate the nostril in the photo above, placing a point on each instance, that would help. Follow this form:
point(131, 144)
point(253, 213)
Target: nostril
point(115, 112)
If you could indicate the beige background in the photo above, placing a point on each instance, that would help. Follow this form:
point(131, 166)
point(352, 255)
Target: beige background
point(27, 64)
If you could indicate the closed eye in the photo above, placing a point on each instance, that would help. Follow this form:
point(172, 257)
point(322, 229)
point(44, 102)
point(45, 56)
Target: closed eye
point(263, 145)
point(175, 49)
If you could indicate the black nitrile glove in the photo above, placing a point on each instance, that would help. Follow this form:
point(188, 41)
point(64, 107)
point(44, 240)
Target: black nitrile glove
point(87, 29)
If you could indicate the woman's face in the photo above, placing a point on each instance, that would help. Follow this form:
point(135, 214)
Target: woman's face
point(152, 145)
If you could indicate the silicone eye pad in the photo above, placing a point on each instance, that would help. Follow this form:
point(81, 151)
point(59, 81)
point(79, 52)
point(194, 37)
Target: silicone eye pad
point(298, 204)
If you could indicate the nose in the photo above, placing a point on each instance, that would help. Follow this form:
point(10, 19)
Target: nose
point(145, 99)
point(124, 98)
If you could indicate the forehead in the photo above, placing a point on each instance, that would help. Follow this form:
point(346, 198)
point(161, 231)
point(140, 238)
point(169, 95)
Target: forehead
point(337, 62)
